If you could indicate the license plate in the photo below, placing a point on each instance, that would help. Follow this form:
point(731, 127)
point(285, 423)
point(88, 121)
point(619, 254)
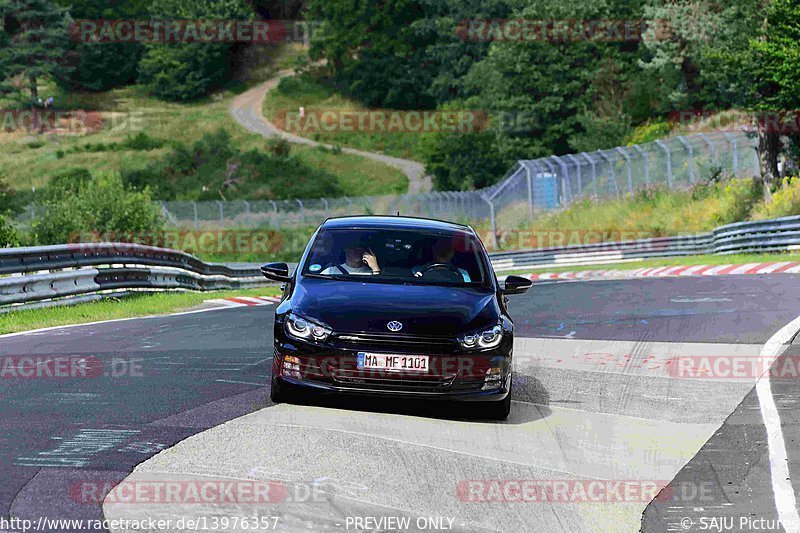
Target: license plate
point(392, 363)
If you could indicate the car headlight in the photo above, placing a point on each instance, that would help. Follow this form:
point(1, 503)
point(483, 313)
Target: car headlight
point(489, 338)
point(305, 329)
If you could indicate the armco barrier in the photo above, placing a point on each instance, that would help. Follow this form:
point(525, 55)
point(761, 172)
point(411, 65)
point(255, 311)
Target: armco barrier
point(63, 271)
point(766, 236)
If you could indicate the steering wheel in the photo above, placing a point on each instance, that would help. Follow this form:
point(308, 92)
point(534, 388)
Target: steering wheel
point(442, 266)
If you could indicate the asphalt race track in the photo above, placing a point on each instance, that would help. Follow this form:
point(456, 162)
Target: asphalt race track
point(615, 436)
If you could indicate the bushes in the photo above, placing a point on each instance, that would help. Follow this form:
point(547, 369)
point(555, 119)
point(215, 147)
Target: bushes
point(213, 169)
point(99, 204)
point(657, 211)
point(182, 71)
point(279, 147)
point(737, 200)
point(8, 235)
point(785, 201)
point(141, 142)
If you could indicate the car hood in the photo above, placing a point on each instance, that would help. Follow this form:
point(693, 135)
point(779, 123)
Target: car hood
point(351, 306)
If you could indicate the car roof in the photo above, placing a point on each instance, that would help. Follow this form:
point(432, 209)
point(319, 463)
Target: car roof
point(394, 222)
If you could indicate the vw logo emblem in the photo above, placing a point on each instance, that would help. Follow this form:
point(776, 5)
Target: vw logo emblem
point(394, 325)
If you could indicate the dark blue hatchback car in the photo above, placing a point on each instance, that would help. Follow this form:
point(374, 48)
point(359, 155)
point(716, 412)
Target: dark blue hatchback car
point(395, 306)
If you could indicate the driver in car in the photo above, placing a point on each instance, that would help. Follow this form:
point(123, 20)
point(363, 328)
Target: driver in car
point(443, 253)
point(359, 261)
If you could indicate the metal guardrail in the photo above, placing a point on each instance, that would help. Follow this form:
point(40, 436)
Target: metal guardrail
point(767, 236)
point(65, 271)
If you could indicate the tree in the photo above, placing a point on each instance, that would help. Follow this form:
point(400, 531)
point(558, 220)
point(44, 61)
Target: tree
point(100, 204)
point(182, 71)
point(399, 53)
point(690, 48)
point(102, 66)
point(775, 94)
point(36, 37)
point(8, 235)
point(546, 95)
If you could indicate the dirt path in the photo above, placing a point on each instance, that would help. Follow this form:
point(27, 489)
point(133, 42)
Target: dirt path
point(246, 109)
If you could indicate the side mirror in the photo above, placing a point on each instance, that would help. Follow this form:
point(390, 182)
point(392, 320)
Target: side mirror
point(276, 272)
point(516, 285)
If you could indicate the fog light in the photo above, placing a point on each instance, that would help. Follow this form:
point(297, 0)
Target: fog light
point(291, 367)
point(493, 379)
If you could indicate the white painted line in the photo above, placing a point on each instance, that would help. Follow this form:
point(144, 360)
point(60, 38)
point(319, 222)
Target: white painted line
point(241, 382)
point(785, 499)
point(225, 302)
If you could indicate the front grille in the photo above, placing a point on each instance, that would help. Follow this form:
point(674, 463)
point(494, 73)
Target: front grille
point(404, 382)
point(380, 341)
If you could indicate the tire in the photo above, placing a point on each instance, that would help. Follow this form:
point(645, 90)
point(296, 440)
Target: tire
point(499, 410)
point(277, 393)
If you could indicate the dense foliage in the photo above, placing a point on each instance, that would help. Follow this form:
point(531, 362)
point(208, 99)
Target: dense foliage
point(79, 204)
point(213, 168)
point(34, 37)
point(569, 94)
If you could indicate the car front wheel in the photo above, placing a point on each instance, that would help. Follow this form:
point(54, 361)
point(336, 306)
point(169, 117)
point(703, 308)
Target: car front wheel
point(277, 393)
point(500, 410)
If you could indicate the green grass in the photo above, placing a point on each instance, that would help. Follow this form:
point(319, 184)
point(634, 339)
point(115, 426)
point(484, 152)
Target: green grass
point(316, 94)
point(691, 260)
point(28, 162)
point(110, 309)
point(656, 212)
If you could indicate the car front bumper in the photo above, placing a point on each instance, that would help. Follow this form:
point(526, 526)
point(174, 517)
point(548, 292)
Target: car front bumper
point(456, 376)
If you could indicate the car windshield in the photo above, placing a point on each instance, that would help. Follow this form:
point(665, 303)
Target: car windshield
point(397, 256)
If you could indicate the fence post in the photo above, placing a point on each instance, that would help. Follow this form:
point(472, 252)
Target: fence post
point(756, 163)
point(577, 164)
point(690, 150)
point(221, 211)
point(530, 190)
point(247, 208)
point(643, 154)
point(169, 216)
point(711, 147)
point(566, 171)
point(492, 221)
point(610, 170)
point(627, 157)
point(594, 172)
point(669, 162)
point(302, 211)
point(196, 222)
point(735, 160)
